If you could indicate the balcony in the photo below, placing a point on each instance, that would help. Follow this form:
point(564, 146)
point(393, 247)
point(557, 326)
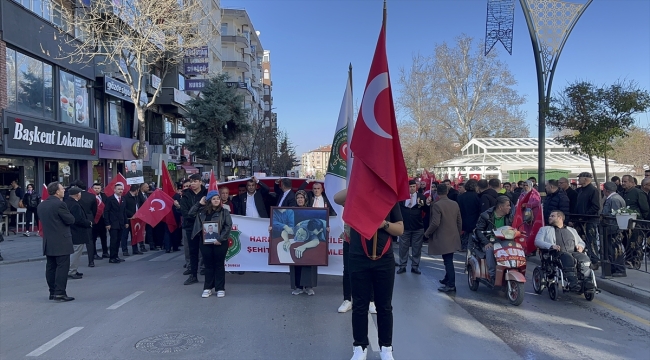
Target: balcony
point(239, 65)
point(241, 41)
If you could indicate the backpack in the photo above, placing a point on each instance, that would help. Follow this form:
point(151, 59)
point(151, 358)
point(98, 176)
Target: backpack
point(34, 200)
point(3, 203)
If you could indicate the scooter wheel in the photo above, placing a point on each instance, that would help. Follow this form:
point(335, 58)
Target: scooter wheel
point(590, 295)
point(473, 283)
point(515, 292)
point(538, 280)
point(553, 291)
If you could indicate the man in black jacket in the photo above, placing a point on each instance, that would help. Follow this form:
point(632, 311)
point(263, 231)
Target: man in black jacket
point(89, 205)
point(116, 222)
point(413, 229)
point(564, 184)
point(452, 193)
point(79, 230)
point(489, 194)
point(317, 197)
point(190, 197)
point(556, 199)
point(133, 201)
point(588, 204)
point(283, 192)
point(99, 227)
point(57, 240)
point(252, 203)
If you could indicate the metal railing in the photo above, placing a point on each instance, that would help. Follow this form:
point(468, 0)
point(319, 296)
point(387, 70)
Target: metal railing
point(615, 250)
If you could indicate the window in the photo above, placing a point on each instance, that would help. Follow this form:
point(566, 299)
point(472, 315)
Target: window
point(73, 93)
point(224, 28)
point(114, 117)
point(29, 85)
point(267, 76)
point(181, 82)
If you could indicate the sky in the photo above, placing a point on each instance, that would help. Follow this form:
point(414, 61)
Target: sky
point(312, 43)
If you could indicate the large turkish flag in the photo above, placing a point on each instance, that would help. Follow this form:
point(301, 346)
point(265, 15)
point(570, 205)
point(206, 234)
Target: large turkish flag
point(154, 210)
point(166, 180)
point(379, 179)
point(109, 190)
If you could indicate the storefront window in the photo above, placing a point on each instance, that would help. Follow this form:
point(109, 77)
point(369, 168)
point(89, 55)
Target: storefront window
point(114, 116)
point(21, 169)
point(73, 99)
point(29, 85)
point(10, 60)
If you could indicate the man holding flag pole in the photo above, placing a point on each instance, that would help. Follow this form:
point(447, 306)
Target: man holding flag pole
point(373, 214)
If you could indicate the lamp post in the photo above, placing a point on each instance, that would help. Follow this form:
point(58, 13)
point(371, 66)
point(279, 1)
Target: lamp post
point(549, 23)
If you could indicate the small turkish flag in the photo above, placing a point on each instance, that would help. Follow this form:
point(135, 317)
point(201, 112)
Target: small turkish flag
point(137, 231)
point(213, 185)
point(155, 208)
point(167, 184)
point(109, 190)
point(378, 159)
point(100, 207)
point(44, 196)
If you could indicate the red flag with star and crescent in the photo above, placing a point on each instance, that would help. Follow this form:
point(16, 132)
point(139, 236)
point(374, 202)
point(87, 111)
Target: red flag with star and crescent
point(100, 207)
point(155, 208)
point(166, 180)
point(137, 231)
point(213, 185)
point(379, 178)
point(44, 196)
point(109, 190)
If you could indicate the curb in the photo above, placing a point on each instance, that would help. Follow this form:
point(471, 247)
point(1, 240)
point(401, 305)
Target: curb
point(39, 258)
point(615, 288)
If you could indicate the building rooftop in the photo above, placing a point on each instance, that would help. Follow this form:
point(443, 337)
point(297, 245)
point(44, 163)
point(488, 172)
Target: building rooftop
point(325, 148)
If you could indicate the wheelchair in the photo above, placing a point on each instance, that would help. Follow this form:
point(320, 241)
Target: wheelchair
point(550, 275)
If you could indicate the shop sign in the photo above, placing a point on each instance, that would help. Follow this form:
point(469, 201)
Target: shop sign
point(27, 135)
point(195, 84)
point(180, 97)
point(172, 166)
point(121, 90)
point(134, 150)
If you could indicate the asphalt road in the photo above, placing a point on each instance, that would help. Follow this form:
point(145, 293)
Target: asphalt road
point(118, 306)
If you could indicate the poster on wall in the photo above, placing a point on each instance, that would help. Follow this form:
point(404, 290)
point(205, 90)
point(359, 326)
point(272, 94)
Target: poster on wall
point(81, 101)
point(67, 100)
point(134, 173)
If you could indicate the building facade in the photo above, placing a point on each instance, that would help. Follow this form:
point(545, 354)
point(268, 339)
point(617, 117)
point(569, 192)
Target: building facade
point(314, 163)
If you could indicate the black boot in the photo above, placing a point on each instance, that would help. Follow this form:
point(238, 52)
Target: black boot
point(573, 281)
point(191, 280)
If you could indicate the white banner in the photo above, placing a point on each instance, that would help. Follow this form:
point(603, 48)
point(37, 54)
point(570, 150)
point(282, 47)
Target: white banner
point(248, 248)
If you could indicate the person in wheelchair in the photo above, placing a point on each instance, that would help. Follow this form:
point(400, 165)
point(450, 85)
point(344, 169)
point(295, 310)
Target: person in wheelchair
point(493, 218)
point(565, 239)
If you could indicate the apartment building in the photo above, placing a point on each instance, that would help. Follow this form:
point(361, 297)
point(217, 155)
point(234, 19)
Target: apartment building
point(314, 162)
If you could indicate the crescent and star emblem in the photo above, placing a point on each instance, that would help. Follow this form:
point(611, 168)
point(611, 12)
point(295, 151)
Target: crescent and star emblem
point(137, 227)
point(376, 86)
point(162, 203)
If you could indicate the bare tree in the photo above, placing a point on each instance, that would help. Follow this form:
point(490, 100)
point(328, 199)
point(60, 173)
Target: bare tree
point(633, 149)
point(131, 37)
point(453, 96)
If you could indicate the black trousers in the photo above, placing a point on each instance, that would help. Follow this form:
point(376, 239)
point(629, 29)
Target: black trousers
point(214, 259)
point(367, 277)
point(116, 237)
point(194, 245)
point(28, 218)
point(56, 273)
point(450, 273)
point(90, 246)
point(100, 230)
point(347, 286)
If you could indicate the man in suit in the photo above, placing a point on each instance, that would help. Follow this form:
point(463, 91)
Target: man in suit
point(253, 200)
point(133, 170)
point(57, 240)
point(238, 200)
point(452, 193)
point(89, 205)
point(413, 229)
point(132, 201)
point(317, 197)
point(79, 230)
point(190, 197)
point(283, 193)
point(116, 223)
point(99, 227)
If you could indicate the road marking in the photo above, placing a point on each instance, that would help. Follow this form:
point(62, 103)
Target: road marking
point(622, 312)
point(54, 342)
point(373, 338)
point(165, 257)
point(169, 274)
point(125, 300)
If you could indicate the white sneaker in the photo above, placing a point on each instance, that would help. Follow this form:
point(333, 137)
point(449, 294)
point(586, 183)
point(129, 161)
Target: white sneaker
point(297, 291)
point(206, 293)
point(221, 293)
point(309, 291)
point(372, 308)
point(386, 353)
point(346, 306)
point(359, 353)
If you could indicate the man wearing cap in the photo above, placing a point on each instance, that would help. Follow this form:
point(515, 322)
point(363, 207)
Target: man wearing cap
point(588, 204)
point(79, 230)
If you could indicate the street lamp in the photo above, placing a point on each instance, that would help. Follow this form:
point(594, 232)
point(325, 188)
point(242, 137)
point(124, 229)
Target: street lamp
point(549, 23)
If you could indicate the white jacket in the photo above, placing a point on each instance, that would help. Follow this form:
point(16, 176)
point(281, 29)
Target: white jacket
point(546, 237)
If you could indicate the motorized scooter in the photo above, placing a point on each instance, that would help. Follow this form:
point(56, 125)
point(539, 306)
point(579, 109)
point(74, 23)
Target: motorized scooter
point(511, 264)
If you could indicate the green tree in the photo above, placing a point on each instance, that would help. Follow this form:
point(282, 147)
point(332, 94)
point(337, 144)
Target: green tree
point(590, 117)
point(218, 116)
point(286, 155)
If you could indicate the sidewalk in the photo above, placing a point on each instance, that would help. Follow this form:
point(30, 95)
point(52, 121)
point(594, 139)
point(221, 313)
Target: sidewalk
point(635, 286)
point(19, 248)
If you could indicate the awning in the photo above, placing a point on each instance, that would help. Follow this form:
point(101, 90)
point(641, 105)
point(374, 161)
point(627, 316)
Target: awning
point(190, 169)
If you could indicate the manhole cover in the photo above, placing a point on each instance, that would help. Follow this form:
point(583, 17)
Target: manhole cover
point(169, 343)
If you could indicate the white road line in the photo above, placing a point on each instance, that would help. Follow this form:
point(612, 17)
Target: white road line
point(373, 338)
point(169, 274)
point(54, 342)
point(165, 257)
point(125, 300)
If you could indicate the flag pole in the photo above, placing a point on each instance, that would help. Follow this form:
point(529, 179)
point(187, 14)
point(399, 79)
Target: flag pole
point(350, 130)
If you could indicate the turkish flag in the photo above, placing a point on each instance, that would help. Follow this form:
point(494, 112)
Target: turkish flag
point(155, 208)
point(44, 196)
point(170, 220)
point(475, 176)
point(109, 190)
point(100, 206)
point(213, 182)
point(379, 179)
point(137, 231)
point(426, 177)
point(167, 184)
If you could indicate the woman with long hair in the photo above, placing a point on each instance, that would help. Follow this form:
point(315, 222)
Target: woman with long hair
point(209, 209)
point(30, 199)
